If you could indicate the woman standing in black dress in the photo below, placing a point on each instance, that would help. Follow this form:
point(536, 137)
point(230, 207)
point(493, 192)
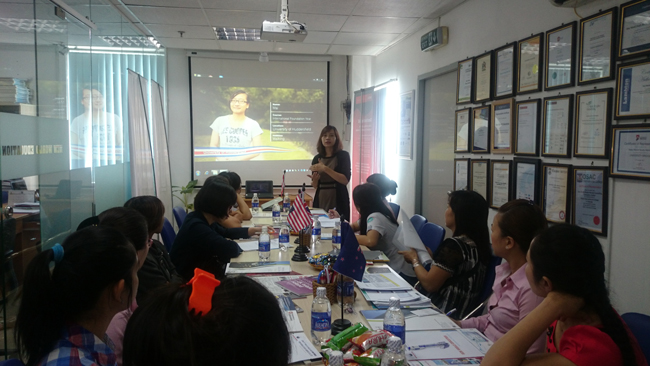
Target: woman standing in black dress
point(331, 173)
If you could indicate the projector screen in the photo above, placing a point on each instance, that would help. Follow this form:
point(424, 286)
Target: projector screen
point(256, 118)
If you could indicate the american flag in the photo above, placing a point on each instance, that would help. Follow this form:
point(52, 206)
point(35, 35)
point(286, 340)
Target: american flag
point(282, 191)
point(299, 216)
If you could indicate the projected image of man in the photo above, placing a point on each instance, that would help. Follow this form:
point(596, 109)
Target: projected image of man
point(236, 130)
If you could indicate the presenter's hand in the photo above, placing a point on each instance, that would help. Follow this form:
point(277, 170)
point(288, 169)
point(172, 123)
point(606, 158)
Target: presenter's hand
point(314, 176)
point(409, 255)
point(320, 167)
point(333, 214)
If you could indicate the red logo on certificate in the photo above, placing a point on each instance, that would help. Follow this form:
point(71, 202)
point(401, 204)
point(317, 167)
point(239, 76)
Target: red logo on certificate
point(596, 220)
point(562, 215)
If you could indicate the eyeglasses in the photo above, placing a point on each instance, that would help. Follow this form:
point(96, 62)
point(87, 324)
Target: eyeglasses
point(238, 101)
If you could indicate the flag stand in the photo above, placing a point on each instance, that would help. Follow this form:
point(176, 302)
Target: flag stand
point(300, 252)
point(342, 324)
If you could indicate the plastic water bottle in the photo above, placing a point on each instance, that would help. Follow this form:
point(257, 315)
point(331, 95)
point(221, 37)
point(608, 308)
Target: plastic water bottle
point(321, 317)
point(315, 231)
point(336, 235)
point(265, 246)
point(394, 319)
point(345, 293)
point(276, 214)
point(286, 203)
point(336, 358)
point(395, 355)
point(255, 202)
point(284, 238)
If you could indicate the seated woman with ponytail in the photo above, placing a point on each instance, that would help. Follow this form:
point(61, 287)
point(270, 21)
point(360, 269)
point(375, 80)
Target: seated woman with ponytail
point(70, 294)
point(566, 266)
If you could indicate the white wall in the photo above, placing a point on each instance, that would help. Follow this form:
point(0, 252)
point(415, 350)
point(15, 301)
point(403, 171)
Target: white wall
point(477, 26)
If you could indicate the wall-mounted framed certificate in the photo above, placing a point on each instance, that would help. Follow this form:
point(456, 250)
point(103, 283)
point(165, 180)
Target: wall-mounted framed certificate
point(634, 29)
point(483, 77)
point(560, 57)
point(530, 64)
point(481, 130)
point(597, 37)
point(464, 81)
point(500, 182)
point(557, 126)
point(526, 179)
point(463, 128)
point(479, 180)
point(590, 198)
point(505, 71)
point(633, 90)
point(593, 121)
point(630, 157)
point(556, 192)
point(501, 128)
point(461, 174)
point(527, 114)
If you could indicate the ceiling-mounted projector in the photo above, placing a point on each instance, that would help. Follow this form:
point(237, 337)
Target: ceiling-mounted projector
point(570, 3)
point(283, 31)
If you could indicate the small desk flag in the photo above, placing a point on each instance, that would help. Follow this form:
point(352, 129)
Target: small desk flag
point(299, 216)
point(351, 261)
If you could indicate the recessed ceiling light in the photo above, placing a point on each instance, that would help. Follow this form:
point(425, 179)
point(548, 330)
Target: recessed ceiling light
point(237, 34)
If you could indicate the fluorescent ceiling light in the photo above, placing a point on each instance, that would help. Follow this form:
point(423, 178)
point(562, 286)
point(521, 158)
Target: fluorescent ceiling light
point(130, 41)
point(237, 34)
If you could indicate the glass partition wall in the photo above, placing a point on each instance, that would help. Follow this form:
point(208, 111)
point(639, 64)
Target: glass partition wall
point(63, 127)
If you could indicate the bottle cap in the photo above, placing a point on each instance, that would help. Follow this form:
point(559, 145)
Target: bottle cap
point(321, 292)
point(336, 358)
point(265, 229)
point(394, 344)
point(393, 302)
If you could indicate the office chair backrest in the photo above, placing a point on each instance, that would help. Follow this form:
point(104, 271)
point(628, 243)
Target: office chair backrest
point(418, 221)
point(639, 325)
point(168, 234)
point(179, 215)
point(12, 362)
point(490, 275)
point(431, 235)
point(395, 208)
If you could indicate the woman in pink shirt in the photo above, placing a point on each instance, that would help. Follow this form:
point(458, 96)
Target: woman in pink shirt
point(514, 227)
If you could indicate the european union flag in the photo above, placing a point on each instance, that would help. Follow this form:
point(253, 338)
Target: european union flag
point(351, 261)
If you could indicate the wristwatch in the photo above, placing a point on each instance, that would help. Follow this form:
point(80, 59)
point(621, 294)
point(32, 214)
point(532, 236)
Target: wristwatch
point(416, 264)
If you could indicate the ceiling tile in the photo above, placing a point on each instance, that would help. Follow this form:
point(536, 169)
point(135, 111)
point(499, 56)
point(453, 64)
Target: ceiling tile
point(198, 44)
point(17, 11)
point(166, 3)
point(238, 19)
point(396, 8)
point(354, 50)
point(255, 5)
point(369, 39)
point(158, 15)
point(300, 48)
point(246, 46)
point(320, 37)
point(421, 23)
point(334, 7)
point(377, 24)
point(171, 31)
point(314, 22)
point(445, 7)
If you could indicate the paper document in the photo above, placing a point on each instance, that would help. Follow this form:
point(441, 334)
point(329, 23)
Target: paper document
point(302, 349)
point(384, 296)
point(15, 197)
point(457, 343)
point(406, 237)
point(271, 283)
point(301, 285)
point(258, 267)
point(425, 312)
point(375, 319)
point(292, 321)
point(327, 222)
point(253, 245)
point(382, 278)
point(317, 212)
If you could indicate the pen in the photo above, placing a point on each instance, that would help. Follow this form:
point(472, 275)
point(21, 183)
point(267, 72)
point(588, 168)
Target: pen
point(442, 345)
point(451, 312)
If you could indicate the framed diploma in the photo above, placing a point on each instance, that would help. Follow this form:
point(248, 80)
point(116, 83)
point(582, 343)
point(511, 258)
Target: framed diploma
point(527, 114)
point(597, 37)
point(405, 145)
point(463, 130)
point(501, 128)
point(634, 29)
point(557, 126)
point(526, 179)
point(633, 90)
point(483, 78)
point(560, 57)
point(464, 81)
point(589, 198)
point(481, 129)
point(500, 182)
point(505, 75)
point(556, 190)
point(480, 177)
point(461, 174)
point(593, 121)
point(630, 157)
point(530, 64)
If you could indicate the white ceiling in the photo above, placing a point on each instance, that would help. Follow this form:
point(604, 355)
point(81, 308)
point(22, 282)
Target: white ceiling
point(347, 27)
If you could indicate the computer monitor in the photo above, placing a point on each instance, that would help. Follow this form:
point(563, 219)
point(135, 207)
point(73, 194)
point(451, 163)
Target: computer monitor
point(263, 188)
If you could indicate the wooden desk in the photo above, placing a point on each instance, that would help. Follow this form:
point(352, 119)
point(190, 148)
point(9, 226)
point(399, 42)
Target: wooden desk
point(308, 200)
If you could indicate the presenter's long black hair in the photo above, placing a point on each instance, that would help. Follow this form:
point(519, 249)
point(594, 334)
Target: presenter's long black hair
point(368, 200)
